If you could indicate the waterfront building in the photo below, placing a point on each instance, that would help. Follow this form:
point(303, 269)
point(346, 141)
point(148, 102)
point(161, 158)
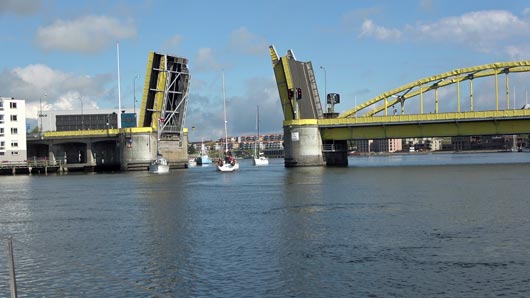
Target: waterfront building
point(503, 142)
point(387, 145)
point(270, 144)
point(13, 146)
point(379, 145)
point(72, 120)
point(423, 144)
point(364, 146)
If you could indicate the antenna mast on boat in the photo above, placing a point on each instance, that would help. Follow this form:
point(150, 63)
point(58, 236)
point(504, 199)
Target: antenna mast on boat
point(224, 109)
point(256, 143)
point(119, 91)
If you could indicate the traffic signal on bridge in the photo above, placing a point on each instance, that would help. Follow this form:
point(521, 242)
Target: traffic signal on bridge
point(298, 93)
point(333, 98)
point(290, 93)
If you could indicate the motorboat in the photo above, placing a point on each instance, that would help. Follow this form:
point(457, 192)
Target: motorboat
point(159, 166)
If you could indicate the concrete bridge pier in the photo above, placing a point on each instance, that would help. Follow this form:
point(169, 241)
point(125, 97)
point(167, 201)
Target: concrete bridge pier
point(302, 144)
point(336, 153)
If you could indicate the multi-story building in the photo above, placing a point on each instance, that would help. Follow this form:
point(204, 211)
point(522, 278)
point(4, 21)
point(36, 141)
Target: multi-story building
point(387, 145)
point(364, 145)
point(380, 145)
point(12, 130)
point(270, 144)
point(423, 144)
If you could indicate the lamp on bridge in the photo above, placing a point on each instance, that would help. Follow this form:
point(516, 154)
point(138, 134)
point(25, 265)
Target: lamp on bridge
point(82, 115)
point(41, 114)
point(134, 91)
point(325, 80)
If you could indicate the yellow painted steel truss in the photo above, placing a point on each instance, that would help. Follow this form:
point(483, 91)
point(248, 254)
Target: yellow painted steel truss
point(417, 88)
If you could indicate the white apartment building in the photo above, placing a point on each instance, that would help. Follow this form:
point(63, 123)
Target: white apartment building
point(12, 130)
point(429, 144)
point(380, 145)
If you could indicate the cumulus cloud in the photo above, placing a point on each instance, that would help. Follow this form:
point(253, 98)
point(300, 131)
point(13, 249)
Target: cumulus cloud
point(205, 60)
point(245, 41)
point(56, 89)
point(88, 34)
point(370, 29)
point(20, 7)
point(478, 29)
point(518, 52)
point(257, 91)
point(172, 43)
point(481, 31)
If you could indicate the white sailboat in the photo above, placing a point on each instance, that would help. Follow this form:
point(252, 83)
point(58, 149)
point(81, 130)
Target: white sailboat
point(160, 164)
point(259, 158)
point(229, 163)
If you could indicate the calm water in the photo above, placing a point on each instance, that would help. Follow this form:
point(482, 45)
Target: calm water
point(439, 225)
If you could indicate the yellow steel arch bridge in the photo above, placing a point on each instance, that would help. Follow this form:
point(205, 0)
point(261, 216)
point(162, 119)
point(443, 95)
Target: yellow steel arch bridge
point(372, 120)
point(314, 137)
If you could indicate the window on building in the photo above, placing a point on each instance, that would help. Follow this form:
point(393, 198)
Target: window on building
point(14, 131)
point(13, 105)
point(14, 153)
point(14, 118)
point(14, 144)
point(1, 105)
point(2, 153)
point(1, 131)
point(1, 119)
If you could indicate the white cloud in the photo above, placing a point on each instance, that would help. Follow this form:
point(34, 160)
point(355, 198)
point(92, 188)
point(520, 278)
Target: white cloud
point(518, 52)
point(172, 43)
point(19, 7)
point(479, 30)
point(370, 29)
point(88, 34)
point(482, 31)
point(244, 41)
point(205, 60)
point(56, 89)
point(256, 91)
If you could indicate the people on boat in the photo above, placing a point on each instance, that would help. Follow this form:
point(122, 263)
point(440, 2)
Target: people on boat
point(229, 159)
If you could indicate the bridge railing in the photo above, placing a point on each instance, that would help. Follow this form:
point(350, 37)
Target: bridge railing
point(334, 148)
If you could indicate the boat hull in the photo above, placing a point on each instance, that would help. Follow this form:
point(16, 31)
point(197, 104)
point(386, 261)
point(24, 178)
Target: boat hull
point(262, 161)
point(159, 166)
point(228, 167)
point(203, 160)
point(158, 169)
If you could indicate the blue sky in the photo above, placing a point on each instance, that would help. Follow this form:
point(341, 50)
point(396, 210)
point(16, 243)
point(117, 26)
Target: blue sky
point(67, 50)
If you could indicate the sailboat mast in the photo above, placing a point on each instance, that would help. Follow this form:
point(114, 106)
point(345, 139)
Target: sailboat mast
point(256, 151)
point(119, 92)
point(224, 110)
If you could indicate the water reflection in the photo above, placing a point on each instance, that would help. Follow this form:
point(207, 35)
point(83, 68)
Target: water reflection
point(385, 226)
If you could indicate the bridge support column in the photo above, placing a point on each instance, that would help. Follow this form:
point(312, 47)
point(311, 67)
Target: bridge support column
point(90, 160)
point(336, 154)
point(302, 144)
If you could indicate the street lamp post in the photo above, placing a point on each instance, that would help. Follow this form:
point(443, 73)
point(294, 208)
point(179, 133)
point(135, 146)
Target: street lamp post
point(40, 112)
point(134, 90)
point(82, 115)
point(325, 83)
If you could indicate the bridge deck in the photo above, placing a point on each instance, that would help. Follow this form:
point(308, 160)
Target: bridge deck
point(422, 125)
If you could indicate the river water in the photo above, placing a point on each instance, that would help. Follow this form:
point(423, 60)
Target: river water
point(419, 225)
